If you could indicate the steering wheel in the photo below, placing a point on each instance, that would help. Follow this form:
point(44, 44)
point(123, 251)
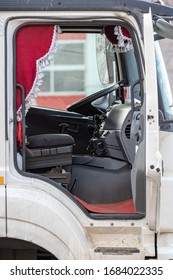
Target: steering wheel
point(85, 107)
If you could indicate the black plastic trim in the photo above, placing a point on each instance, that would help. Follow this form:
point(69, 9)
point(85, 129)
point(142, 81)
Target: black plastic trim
point(116, 216)
point(5, 72)
point(23, 126)
point(84, 5)
point(117, 250)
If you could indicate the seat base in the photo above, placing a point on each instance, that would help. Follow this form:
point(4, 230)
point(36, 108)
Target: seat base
point(49, 150)
point(48, 157)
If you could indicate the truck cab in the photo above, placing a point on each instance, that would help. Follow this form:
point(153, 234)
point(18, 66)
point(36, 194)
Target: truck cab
point(86, 131)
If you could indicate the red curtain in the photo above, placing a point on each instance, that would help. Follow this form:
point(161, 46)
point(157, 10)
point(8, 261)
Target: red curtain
point(120, 37)
point(32, 43)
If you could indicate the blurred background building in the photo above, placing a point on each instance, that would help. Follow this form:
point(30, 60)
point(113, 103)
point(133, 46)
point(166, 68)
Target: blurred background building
point(167, 48)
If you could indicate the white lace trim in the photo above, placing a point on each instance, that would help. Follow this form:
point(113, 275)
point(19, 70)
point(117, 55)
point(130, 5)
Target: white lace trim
point(41, 63)
point(124, 43)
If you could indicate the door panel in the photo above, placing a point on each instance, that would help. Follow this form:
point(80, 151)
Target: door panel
point(153, 157)
point(148, 165)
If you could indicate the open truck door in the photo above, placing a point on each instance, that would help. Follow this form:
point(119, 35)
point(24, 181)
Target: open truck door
point(146, 174)
point(153, 156)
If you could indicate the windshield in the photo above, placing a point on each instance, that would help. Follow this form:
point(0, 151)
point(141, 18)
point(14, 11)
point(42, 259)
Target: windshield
point(163, 84)
point(73, 73)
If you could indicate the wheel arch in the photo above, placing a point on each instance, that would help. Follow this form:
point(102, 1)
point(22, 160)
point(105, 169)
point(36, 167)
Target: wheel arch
point(39, 217)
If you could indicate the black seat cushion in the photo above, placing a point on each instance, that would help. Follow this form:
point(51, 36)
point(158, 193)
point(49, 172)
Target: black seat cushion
point(49, 140)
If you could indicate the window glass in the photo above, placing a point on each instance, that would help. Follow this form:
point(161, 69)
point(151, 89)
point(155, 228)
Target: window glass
point(70, 52)
point(163, 83)
point(74, 83)
point(73, 74)
point(46, 82)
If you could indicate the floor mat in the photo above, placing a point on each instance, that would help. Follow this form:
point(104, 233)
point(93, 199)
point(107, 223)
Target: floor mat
point(124, 207)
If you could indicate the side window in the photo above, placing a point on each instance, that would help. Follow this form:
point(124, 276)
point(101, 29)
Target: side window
point(73, 73)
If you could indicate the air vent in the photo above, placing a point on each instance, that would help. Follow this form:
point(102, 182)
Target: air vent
point(127, 131)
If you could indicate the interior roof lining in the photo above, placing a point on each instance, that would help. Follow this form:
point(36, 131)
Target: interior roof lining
point(98, 28)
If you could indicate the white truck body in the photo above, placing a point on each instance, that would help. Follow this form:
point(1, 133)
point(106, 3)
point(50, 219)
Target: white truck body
point(38, 215)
